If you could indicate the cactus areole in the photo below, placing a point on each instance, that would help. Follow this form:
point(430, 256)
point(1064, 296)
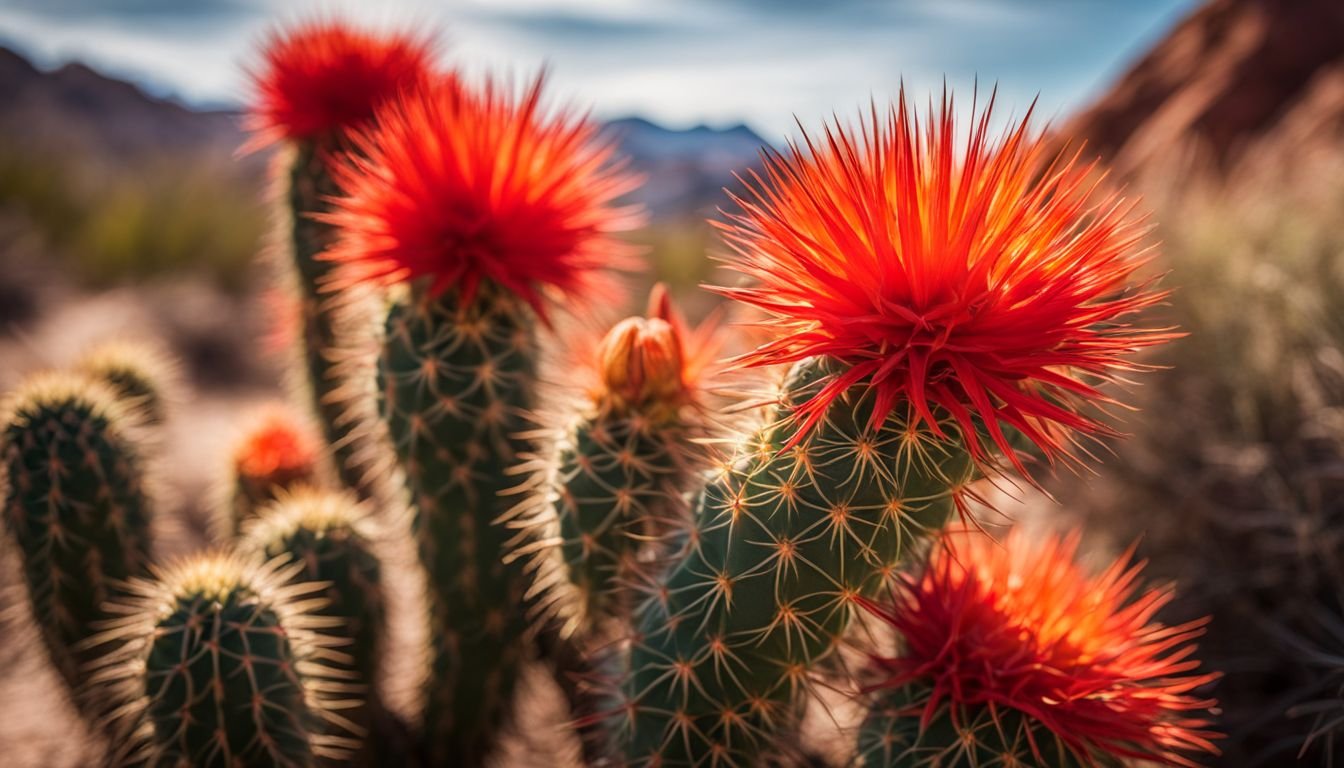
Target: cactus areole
point(937, 302)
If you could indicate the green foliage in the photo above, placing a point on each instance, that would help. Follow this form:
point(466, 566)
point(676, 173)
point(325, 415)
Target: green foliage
point(76, 506)
point(455, 380)
point(170, 217)
point(785, 539)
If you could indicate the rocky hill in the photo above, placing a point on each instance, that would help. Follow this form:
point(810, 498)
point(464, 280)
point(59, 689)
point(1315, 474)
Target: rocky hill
point(106, 121)
point(1232, 74)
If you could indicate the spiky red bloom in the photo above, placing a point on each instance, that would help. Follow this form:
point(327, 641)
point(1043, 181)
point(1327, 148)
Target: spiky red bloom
point(1022, 627)
point(977, 278)
point(324, 76)
point(277, 447)
point(471, 186)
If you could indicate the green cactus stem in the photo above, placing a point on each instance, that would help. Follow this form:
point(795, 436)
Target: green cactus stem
point(77, 508)
point(321, 316)
point(139, 372)
point(456, 380)
point(786, 539)
point(222, 666)
point(330, 534)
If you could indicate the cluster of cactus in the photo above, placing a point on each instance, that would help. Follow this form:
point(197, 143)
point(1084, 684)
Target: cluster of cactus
point(934, 306)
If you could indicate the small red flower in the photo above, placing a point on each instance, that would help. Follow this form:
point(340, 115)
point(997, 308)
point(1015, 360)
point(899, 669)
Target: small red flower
point(323, 77)
point(471, 186)
point(1021, 627)
point(278, 449)
point(974, 278)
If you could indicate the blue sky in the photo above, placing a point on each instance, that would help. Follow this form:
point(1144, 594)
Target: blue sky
point(680, 62)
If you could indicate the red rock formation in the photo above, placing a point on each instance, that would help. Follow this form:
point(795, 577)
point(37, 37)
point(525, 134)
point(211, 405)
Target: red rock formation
point(1226, 77)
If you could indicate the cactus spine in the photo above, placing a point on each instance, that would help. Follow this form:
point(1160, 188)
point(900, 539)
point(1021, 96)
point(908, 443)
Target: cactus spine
point(786, 540)
point(222, 667)
point(456, 378)
point(329, 534)
point(76, 506)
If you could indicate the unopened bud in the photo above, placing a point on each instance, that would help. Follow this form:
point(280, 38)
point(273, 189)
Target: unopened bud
point(642, 361)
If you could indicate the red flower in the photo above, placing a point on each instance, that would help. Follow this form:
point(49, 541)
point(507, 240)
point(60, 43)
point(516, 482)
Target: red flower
point(974, 278)
point(1021, 627)
point(471, 186)
point(479, 186)
point(323, 77)
point(277, 449)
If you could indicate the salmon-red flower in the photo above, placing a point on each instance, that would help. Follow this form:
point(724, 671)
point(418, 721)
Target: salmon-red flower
point(279, 448)
point(324, 77)
point(974, 278)
point(465, 186)
point(1019, 627)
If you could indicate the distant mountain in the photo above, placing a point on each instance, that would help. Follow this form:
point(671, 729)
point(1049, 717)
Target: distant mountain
point(74, 109)
point(1232, 73)
point(686, 171)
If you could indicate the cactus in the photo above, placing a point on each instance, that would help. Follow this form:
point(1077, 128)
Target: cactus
point(484, 205)
point(1011, 655)
point(608, 506)
point(938, 304)
point(77, 508)
point(139, 372)
point(277, 454)
point(319, 82)
point(330, 535)
point(222, 666)
point(622, 467)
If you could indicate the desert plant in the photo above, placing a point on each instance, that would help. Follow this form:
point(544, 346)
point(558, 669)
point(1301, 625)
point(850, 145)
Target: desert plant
point(278, 453)
point(483, 205)
point(221, 665)
point(608, 504)
point(77, 508)
point(319, 82)
point(1234, 478)
point(140, 372)
point(617, 481)
point(934, 301)
point(330, 535)
point(1010, 654)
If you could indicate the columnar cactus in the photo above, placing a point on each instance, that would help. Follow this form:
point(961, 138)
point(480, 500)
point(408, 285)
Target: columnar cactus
point(1012, 655)
point(934, 301)
point(319, 82)
point(484, 205)
point(76, 505)
point(276, 455)
point(330, 535)
point(139, 372)
point(621, 468)
point(222, 666)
